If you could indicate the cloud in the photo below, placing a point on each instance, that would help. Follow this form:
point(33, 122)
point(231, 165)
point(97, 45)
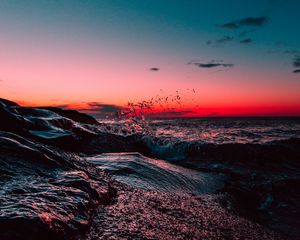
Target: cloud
point(246, 41)
point(63, 106)
point(296, 62)
point(245, 22)
point(224, 39)
point(154, 69)
point(212, 64)
point(172, 113)
point(209, 42)
point(96, 109)
point(101, 110)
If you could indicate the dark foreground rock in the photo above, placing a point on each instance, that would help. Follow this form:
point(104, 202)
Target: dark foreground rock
point(45, 193)
point(73, 115)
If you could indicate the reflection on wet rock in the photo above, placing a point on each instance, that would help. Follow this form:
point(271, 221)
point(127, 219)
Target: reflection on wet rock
point(42, 194)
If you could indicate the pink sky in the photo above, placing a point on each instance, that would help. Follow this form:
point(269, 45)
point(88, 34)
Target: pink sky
point(69, 74)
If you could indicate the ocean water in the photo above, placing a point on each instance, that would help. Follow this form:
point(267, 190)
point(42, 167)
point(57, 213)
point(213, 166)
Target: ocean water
point(213, 130)
point(228, 130)
point(174, 139)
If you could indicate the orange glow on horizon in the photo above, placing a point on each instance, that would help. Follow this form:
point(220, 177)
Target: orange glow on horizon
point(212, 110)
point(75, 80)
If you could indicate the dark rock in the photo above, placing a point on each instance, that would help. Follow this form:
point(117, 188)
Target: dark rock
point(73, 114)
point(45, 194)
point(43, 125)
point(8, 102)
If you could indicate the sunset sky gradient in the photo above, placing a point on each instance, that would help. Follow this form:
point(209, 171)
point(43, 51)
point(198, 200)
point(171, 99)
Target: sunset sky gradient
point(241, 59)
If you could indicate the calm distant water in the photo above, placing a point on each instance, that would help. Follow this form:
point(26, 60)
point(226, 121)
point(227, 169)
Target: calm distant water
point(217, 130)
point(228, 130)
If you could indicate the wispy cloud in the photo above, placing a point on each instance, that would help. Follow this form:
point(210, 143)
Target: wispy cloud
point(212, 64)
point(209, 42)
point(241, 37)
point(222, 40)
point(103, 108)
point(171, 113)
point(97, 109)
point(63, 106)
point(154, 69)
point(245, 22)
point(296, 64)
point(246, 41)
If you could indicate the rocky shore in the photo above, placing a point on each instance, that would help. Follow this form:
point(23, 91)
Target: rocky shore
point(50, 191)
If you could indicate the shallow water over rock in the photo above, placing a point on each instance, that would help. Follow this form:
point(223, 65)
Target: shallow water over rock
point(151, 174)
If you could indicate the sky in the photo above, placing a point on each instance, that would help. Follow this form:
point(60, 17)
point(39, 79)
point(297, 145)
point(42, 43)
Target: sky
point(224, 58)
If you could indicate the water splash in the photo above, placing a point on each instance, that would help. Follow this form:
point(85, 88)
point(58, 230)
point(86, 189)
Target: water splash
point(136, 116)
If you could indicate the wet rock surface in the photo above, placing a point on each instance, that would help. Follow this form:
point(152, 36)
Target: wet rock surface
point(43, 194)
point(73, 115)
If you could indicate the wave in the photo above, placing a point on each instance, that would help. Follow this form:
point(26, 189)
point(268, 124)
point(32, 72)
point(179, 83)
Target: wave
point(270, 152)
